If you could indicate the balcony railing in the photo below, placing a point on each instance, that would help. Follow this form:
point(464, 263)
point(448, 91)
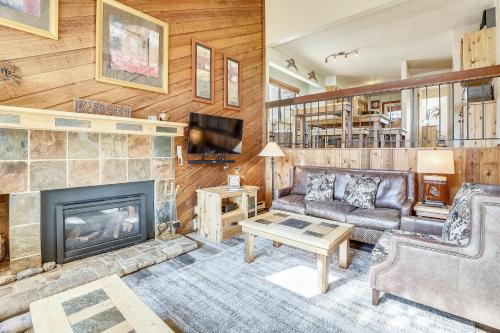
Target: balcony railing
point(455, 109)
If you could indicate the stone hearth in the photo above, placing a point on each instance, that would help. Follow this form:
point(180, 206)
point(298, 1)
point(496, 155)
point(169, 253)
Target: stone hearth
point(16, 297)
point(32, 161)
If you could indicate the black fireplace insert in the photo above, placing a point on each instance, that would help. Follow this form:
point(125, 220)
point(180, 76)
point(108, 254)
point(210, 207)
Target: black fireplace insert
point(82, 222)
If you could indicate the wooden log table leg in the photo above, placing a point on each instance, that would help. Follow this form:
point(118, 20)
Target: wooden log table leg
point(344, 254)
point(277, 244)
point(249, 247)
point(322, 273)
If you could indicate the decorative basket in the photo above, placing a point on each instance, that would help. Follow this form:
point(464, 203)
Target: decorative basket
point(3, 250)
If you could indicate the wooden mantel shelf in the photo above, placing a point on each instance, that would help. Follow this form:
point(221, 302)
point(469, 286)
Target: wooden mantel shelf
point(18, 117)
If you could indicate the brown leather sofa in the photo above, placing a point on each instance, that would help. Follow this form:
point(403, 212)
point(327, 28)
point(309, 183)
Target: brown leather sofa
point(395, 199)
point(460, 279)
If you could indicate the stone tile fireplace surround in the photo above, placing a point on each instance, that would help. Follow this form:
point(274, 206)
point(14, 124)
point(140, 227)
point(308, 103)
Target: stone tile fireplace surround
point(106, 150)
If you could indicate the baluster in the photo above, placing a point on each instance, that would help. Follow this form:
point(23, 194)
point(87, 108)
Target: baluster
point(390, 121)
point(453, 114)
point(412, 123)
point(342, 139)
point(319, 128)
point(482, 111)
point(427, 115)
point(467, 115)
point(326, 124)
point(304, 125)
point(351, 101)
point(439, 118)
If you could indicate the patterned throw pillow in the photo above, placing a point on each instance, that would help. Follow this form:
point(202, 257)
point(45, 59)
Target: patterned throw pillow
point(361, 191)
point(320, 187)
point(458, 224)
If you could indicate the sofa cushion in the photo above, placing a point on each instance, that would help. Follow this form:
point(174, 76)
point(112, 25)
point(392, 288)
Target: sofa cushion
point(392, 191)
point(300, 175)
point(381, 250)
point(293, 203)
point(377, 218)
point(332, 210)
point(458, 224)
point(320, 187)
point(361, 191)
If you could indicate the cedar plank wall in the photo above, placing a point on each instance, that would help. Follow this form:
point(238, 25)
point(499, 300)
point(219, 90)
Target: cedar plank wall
point(476, 165)
point(55, 72)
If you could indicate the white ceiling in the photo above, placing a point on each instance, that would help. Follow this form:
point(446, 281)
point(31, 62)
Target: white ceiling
point(419, 31)
point(291, 19)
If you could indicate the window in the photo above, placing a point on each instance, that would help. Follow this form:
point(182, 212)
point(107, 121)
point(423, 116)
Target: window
point(279, 90)
point(280, 119)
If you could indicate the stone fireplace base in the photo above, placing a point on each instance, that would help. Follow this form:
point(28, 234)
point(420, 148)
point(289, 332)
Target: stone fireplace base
point(16, 297)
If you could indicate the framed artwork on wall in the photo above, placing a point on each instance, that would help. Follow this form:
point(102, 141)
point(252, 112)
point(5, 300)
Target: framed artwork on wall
point(375, 105)
point(39, 17)
point(203, 72)
point(393, 106)
point(131, 48)
point(232, 83)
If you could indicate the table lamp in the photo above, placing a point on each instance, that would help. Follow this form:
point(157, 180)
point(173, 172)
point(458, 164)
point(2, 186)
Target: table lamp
point(272, 150)
point(435, 165)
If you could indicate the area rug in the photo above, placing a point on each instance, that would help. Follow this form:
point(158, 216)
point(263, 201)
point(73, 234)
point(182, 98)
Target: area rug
point(276, 293)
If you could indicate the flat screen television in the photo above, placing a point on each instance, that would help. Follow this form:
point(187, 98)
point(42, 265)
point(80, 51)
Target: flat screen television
point(214, 135)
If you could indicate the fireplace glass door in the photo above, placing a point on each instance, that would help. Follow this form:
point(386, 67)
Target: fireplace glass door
point(89, 228)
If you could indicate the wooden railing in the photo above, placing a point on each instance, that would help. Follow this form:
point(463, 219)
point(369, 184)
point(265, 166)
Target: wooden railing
point(454, 109)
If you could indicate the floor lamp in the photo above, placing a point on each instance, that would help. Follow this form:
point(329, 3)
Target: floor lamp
point(272, 150)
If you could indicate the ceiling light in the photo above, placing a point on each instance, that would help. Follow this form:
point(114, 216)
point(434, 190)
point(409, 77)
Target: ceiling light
point(342, 53)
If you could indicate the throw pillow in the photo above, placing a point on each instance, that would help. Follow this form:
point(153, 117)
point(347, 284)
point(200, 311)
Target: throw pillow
point(320, 187)
point(458, 224)
point(361, 191)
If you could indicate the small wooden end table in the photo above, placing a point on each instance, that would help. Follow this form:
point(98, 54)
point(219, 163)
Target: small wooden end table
point(432, 212)
point(308, 233)
point(105, 305)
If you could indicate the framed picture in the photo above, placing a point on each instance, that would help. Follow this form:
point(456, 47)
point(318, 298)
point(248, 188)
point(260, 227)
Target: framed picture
point(393, 106)
point(131, 47)
point(203, 72)
point(232, 83)
point(375, 105)
point(39, 17)
point(233, 181)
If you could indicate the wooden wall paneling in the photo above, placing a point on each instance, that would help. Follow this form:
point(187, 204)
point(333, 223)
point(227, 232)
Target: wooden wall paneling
point(55, 72)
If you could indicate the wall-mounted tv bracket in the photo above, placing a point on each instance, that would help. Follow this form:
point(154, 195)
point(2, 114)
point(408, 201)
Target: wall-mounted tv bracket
point(221, 160)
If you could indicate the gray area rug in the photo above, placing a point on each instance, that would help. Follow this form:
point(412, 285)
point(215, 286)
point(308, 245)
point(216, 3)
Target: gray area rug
point(276, 293)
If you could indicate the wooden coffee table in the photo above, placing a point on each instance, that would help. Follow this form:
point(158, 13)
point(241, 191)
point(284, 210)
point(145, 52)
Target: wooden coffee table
point(105, 305)
point(308, 233)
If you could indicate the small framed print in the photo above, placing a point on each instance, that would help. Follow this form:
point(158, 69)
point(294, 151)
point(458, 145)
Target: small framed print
point(375, 105)
point(203, 72)
point(232, 83)
point(233, 181)
point(39, 17)
point(131, 48)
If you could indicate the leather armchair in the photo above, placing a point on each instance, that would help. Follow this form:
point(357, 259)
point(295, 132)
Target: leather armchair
point(459, 279)
point(422, 225)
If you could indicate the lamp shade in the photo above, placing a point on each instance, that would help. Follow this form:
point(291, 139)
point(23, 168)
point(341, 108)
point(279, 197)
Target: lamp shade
point(272, 150)
point(435, 162)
